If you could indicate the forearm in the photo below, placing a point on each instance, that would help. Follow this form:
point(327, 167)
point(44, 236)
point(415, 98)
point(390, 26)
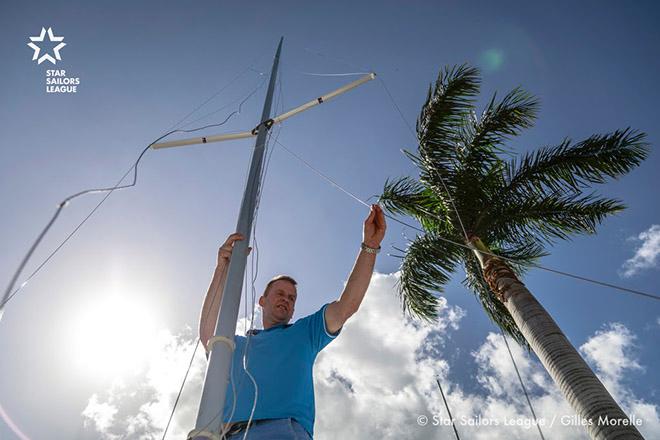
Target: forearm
point(357, 283)
point(209, 315)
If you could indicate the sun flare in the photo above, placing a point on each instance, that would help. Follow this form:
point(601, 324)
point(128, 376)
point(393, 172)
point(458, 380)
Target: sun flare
point(112, 336)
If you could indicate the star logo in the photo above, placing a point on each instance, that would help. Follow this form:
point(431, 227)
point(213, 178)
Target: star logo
point(46, 56)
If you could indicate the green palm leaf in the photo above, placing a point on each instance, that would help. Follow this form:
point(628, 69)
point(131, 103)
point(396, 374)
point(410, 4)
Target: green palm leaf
point(516, 206)
point(447, 104)
point(426, 268)
point(572, 167)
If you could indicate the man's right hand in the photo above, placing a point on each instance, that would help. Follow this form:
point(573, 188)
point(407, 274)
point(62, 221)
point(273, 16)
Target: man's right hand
point(224, 253)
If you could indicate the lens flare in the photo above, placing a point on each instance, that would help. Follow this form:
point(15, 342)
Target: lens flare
point(492, 60)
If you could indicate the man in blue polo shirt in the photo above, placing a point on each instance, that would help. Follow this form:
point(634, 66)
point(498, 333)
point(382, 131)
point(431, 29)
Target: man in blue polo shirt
point(280, 357)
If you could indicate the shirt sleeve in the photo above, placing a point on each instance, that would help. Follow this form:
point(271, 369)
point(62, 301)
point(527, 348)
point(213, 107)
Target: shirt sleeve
point(318, 330)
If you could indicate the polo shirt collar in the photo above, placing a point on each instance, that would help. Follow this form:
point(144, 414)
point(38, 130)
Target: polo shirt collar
point(257, 331)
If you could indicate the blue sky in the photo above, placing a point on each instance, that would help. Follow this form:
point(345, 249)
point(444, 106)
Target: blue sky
point(143, 67)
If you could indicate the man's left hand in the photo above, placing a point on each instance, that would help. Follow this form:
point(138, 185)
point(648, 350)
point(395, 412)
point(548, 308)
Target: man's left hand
point(374, 227)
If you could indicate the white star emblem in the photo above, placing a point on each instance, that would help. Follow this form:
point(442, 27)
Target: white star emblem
point(46, 56)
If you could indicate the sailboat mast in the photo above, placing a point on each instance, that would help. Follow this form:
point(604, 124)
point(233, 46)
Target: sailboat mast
point(221, 346)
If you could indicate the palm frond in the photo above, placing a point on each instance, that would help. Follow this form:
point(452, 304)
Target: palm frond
point(446, 105)
point(484, 137)
point(572, 167)
point(473, 190)
point(550, 217)
point(409, 197)
point(426, 268)
point(517, 207)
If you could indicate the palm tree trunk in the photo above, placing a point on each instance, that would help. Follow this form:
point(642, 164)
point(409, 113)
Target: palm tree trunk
point(578, 383)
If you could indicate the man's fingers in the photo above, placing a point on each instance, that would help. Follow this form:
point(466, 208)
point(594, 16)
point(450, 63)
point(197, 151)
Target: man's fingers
point(233, 238)
point(380, 217)
point(372, 214)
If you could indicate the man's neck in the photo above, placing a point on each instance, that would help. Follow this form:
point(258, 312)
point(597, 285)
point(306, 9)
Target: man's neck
point(268, 323)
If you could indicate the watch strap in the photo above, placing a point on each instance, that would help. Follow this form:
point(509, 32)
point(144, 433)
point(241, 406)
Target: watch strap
point(368, 249)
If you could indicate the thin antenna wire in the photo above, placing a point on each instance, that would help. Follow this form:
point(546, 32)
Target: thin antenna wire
point(328, 179)
point(414, 135)
point(462, 245)
point(238, 111)
point(522, 385)
point(222, 89)
point(437, 379)
point(178, 396)
point(8, 295)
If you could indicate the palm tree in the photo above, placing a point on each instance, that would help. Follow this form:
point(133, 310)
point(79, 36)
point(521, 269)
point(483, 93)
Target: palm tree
point(473, 190)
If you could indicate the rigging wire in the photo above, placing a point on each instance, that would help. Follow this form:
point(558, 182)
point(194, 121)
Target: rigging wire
point(176, 401)
point(324, 176)
point(453, 425)
point(9, 294)
point(229, 104)
point(442, 181)
point(522, 385)
point(455, 243)
point(222, 89)
point(398, 109)
point(578, 277)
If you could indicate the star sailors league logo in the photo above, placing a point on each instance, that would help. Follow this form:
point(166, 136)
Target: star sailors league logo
point(46, 56)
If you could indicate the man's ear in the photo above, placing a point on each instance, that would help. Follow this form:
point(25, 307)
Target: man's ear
point(261, 300)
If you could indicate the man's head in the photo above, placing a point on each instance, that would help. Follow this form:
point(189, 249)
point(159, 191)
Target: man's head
point(278, 300)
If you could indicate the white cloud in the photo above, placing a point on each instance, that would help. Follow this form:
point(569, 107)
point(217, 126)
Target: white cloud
point(139, 407)
point(379, 376)
point(646, 255)
point(380, 371)
point(102, 414)
point(610, 352)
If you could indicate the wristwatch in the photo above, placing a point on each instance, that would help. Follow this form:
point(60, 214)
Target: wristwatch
point(368, 249)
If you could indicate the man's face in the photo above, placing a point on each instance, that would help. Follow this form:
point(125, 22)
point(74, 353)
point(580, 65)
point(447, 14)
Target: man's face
point(279, 302)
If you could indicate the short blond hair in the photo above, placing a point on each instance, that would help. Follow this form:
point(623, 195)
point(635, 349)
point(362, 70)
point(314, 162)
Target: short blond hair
point(279, 278)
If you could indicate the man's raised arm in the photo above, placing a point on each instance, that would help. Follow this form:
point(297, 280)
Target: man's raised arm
point(373, 233)
point(209, 316)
